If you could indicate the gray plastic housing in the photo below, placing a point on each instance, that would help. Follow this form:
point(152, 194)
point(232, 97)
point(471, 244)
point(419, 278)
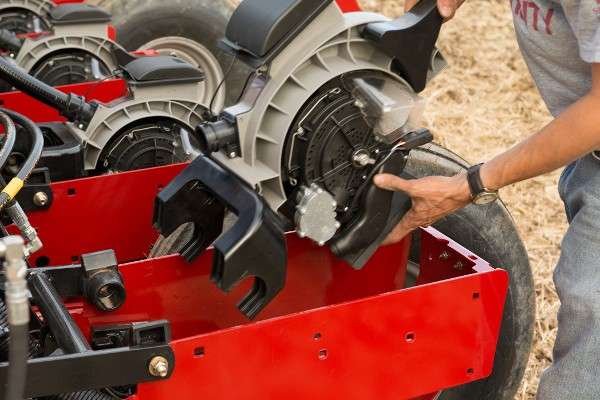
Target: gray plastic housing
point(91, 38)
point(330, 46)
point(176, 101)
point(41, 8)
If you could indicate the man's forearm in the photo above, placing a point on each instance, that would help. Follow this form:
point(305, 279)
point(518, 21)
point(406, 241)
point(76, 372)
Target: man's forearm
point(573, 134)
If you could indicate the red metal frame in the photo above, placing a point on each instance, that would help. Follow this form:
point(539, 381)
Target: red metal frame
point(332, 333)
point(349, 5)
point(104, 92)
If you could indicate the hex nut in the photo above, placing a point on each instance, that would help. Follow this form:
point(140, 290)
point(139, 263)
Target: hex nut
point(159, 367)
point(40, 199)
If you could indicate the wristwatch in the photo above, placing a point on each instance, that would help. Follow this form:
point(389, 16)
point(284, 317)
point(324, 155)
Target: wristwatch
point(479, 193)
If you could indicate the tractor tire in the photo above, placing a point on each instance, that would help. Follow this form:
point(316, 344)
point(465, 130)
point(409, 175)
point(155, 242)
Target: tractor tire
point(490, 233)
point(189, 29)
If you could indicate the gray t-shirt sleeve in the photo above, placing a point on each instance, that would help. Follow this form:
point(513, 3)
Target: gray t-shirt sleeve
point(584, 18)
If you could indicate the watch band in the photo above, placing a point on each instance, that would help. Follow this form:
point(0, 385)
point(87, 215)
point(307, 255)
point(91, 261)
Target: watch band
point(475, 182)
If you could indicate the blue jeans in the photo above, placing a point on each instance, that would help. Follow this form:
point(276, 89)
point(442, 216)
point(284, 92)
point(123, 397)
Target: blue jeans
point(575, 373)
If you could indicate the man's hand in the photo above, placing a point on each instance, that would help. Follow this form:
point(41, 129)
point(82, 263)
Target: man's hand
point(433, 198)
point(447, 7)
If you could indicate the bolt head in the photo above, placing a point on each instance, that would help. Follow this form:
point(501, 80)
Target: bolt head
point(233, 154)
point(40, 199)
point(159, 367)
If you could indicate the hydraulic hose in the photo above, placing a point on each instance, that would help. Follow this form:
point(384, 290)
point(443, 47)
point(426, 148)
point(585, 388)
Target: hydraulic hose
point(71, 106)
point(10, 135)
point(17, 303)
point(13, 187)
point(18, 353)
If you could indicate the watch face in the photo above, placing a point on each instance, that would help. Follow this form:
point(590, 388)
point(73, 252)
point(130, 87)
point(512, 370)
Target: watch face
point(485, 198)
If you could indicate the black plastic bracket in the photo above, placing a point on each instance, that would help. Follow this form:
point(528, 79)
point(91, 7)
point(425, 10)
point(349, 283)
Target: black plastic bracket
point(410, 40)
point(381, 210)
point(260, 29)
point(131, 334)
point(69, 14)
point(254, 247)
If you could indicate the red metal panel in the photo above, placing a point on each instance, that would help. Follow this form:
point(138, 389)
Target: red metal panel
point(104, 92)
point(111, 32)
point(349, 5)
point(106, 212)
point(169, 288)
point(332, 333)
point(398, 345)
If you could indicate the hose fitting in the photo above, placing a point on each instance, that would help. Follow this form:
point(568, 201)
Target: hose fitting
point(21, 221)
point(15, 269)
point(71, 106)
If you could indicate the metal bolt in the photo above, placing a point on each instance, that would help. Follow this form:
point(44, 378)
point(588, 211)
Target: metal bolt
point(233, 154)
point(362, 159)
point(159, 367)
point(444, 256)
point(459, 266)
point(40, 199)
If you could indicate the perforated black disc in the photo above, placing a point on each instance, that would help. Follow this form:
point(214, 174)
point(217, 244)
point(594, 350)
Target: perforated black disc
point(325, 136)
point(68, 69)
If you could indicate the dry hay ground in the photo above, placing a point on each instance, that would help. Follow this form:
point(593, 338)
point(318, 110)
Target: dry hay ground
point(485, 103)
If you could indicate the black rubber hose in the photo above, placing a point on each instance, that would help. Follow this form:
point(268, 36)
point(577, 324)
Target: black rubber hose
point(37, 138)
point(64, 329)
point(10, 135)
point(18, 354)
point(71, 106)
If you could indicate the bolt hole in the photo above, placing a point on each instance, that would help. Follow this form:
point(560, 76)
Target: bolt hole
point(199, 352)
point(470, 371)
point(71, 192)
point(74, 259)
point(323, 354)
point(317, 336)
point(410, 337)
point(161, 187)
point(476, 296)
point(474, 258)
point(42, 262)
